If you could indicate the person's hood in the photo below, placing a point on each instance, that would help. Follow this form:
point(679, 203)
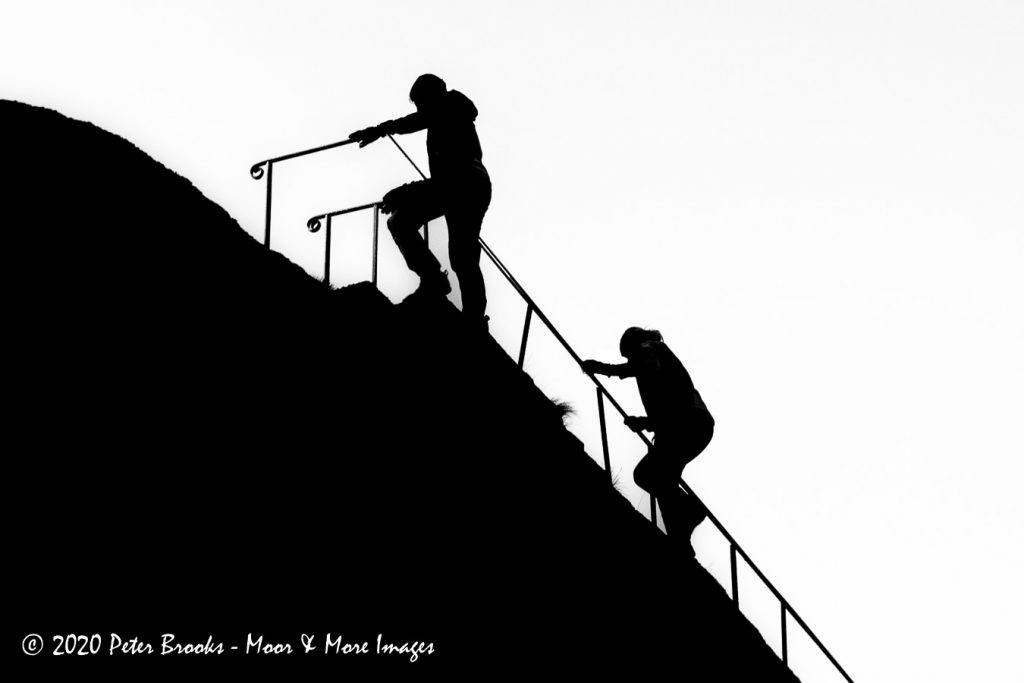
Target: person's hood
point(461, 105)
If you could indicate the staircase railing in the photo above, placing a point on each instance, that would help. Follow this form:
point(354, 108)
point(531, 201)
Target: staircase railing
point(257, 172)
point(786, 610)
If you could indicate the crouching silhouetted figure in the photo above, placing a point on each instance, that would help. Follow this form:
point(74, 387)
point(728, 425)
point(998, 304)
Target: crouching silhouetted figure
point(676, 413)
point(459, 189)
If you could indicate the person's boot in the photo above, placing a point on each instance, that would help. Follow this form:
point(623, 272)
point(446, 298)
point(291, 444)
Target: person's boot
point(479, 325)
point(433, 286)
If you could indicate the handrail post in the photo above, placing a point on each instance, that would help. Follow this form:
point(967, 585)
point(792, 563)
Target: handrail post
point(270, 178)
point(526, 334)
point(785, 645)
point(735, 579)
point(654, 511)
point(426, 234)
point(604, 435)
point(327, 254)
point(376, 230)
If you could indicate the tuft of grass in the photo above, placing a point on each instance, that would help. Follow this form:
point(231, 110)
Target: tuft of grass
point(564, 409)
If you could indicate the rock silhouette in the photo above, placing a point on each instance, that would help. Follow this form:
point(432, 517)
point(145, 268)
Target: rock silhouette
point(206, 440)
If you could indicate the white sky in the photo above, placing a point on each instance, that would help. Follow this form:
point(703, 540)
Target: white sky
point(819, 204)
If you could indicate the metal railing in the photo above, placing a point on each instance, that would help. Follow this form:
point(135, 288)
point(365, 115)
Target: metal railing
point(257, 172)
point(266, 167)
point(313, 224)
point(786, 611)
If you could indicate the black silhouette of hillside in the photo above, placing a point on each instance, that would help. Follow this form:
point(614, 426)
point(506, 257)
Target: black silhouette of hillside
point(204, 440)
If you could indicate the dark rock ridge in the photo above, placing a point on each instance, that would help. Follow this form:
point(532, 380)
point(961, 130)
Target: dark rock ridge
point(204, 440)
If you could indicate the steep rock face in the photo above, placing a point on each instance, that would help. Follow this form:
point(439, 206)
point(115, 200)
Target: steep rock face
point(207, 441)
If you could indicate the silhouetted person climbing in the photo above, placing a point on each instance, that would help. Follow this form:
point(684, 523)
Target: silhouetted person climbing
point(459, 189)
point(676, 413)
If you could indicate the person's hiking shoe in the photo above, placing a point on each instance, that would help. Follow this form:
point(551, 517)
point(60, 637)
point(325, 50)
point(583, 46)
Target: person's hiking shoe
point(479, 325)
point(433, 287)
point(682, 549)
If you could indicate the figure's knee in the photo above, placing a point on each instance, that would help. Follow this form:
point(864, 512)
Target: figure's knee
point(656, 476)
point(401, 224)
point(643, 476)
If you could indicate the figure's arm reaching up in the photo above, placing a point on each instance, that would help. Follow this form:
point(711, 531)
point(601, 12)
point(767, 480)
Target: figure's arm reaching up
point(407, 124)
point(595, 367)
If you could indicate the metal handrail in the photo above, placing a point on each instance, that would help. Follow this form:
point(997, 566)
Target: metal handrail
point(313, 224)
point(257, 172)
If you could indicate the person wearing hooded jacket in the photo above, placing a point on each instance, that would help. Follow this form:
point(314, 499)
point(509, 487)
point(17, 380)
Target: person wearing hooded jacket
point(676, 413)
point(459, 189)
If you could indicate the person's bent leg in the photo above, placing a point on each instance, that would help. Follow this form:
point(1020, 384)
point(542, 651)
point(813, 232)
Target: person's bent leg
point(404, 225)
point(651, 475)
point(698, 437)
point(673, 505)
point(658, 473)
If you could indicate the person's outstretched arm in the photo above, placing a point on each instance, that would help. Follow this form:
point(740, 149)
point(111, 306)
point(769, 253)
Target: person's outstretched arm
point(595, 367)
point(415, 121)
point(636, 423)
point(639, 423)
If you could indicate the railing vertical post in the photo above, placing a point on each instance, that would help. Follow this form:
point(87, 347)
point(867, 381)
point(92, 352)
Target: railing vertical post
point(654, 512)
point(270, 179)
point(426, 234)
point(327, 254)
point(376, 229)
point(735, 580)
point(785, 644)
point(604, 435)
point(526, 334)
